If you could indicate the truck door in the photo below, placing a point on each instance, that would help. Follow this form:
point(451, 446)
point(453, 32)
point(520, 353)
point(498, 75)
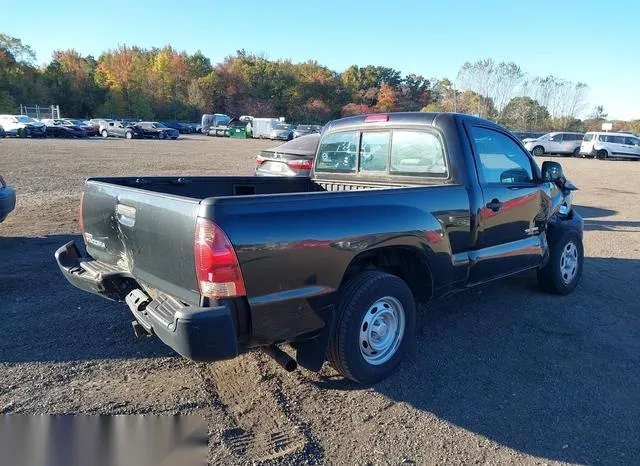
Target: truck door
point(508, 232)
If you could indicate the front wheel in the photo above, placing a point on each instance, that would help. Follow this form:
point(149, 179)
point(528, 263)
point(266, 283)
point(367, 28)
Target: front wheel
point(128, 135)
point(538, 151)
point(104, 133)
point(374, 327)
point(602, 154)
point(562, 273)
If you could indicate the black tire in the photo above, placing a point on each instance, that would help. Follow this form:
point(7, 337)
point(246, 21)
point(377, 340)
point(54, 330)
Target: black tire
point(104, 133)
point(602, 154)
point(537, 151)
point(354, 302)
point(552, 277)
point(22, 133)
point(162, 135)
point(576, 152)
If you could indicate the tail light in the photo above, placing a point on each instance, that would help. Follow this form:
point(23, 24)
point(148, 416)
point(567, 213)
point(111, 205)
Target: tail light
point(260, 160)
point(217, 267)
point(80, 222)
point(304, 164)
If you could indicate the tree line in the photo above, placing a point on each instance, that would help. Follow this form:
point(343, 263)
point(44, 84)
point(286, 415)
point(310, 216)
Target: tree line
point(163, 83)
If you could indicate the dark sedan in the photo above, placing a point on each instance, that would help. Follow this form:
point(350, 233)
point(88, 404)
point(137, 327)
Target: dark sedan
point(85, 126)
point(154, 129)
point(63, 129)
point(293, 158)
point(7, 199)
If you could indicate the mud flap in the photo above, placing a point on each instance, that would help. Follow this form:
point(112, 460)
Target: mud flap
point(311, 354)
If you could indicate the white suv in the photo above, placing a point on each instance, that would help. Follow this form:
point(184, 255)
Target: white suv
point(566, 143)
point(22, 126)
point(604, 145)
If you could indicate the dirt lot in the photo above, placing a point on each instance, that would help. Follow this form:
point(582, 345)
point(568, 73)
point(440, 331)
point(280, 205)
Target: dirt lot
point(504, 374)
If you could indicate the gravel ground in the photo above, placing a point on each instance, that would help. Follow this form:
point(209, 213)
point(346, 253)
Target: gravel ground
point(503, 374)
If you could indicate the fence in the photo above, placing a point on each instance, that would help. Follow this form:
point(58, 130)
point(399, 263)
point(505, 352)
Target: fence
point(40, 111)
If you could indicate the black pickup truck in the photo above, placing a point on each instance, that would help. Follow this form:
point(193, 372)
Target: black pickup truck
point(400, 208)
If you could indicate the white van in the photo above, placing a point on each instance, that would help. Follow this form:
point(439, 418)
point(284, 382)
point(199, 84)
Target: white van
point(604, 145)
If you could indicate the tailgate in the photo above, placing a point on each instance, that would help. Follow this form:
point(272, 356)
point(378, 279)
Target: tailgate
point(149, 234)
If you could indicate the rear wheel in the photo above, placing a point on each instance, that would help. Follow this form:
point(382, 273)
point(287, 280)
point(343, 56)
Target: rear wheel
point(602, 154)
point(562, 273)
point(104, 133)
point(576, 152)
point(374, 327)
point(162, 135)
point(22, 133)
point(128, 135)
point(538, 151)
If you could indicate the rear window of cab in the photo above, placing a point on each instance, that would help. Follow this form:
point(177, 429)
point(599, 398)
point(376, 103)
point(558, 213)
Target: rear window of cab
point(406, 152)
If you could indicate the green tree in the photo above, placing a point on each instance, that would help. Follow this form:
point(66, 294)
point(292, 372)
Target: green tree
point(524, 113)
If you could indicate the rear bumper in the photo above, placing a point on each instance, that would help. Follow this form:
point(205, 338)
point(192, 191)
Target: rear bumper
point(7, 201)
point(197, 333)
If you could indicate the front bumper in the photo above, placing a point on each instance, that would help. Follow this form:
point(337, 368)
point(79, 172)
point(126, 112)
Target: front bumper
point(197, 333)
point(7, 201)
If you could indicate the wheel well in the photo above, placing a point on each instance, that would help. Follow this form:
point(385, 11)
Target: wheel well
point(407, 263)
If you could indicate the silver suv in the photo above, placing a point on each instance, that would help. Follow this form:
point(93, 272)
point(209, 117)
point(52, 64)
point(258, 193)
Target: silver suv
point(565, 143)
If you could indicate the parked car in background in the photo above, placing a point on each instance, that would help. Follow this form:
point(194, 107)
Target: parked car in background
point(88, 129)
point(155, 129)
point(100, 123)
point(2, 133)
point(301, 130)
point(565, 143)
point(22, 126)
point(604, 145)
point(282, 131)
point(528, 134)
point(118, 129)
point(293, 158)
point(183, 128)
point(7, 199)
point(59, 129)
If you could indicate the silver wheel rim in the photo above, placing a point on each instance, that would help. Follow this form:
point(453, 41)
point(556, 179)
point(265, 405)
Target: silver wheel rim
point(569, 262)
point(381, 330)
point(537, 151)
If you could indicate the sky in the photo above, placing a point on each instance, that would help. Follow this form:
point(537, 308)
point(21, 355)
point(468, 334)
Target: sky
point(590, 41)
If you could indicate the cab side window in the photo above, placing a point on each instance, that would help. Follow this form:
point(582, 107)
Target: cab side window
point(556, 138)
point(501, 159)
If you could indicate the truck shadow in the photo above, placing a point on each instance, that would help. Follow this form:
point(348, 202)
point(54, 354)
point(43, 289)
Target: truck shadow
point(592, 222)
point(44, 318)
point(549, 376)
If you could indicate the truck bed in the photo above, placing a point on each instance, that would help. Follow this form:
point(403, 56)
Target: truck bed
point(201, 187)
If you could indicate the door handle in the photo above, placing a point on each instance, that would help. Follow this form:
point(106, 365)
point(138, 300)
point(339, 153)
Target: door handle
point(494, 205)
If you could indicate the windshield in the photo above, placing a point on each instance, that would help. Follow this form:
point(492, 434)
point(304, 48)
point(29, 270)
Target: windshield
point(25, 119)
point(159, 125)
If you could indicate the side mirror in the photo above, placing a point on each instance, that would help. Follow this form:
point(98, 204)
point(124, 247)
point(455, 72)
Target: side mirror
point(552, 172)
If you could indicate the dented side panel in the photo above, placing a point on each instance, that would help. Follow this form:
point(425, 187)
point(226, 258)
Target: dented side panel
point(152, 240)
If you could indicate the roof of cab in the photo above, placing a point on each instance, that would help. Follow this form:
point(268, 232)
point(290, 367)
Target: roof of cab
point(403, 118)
